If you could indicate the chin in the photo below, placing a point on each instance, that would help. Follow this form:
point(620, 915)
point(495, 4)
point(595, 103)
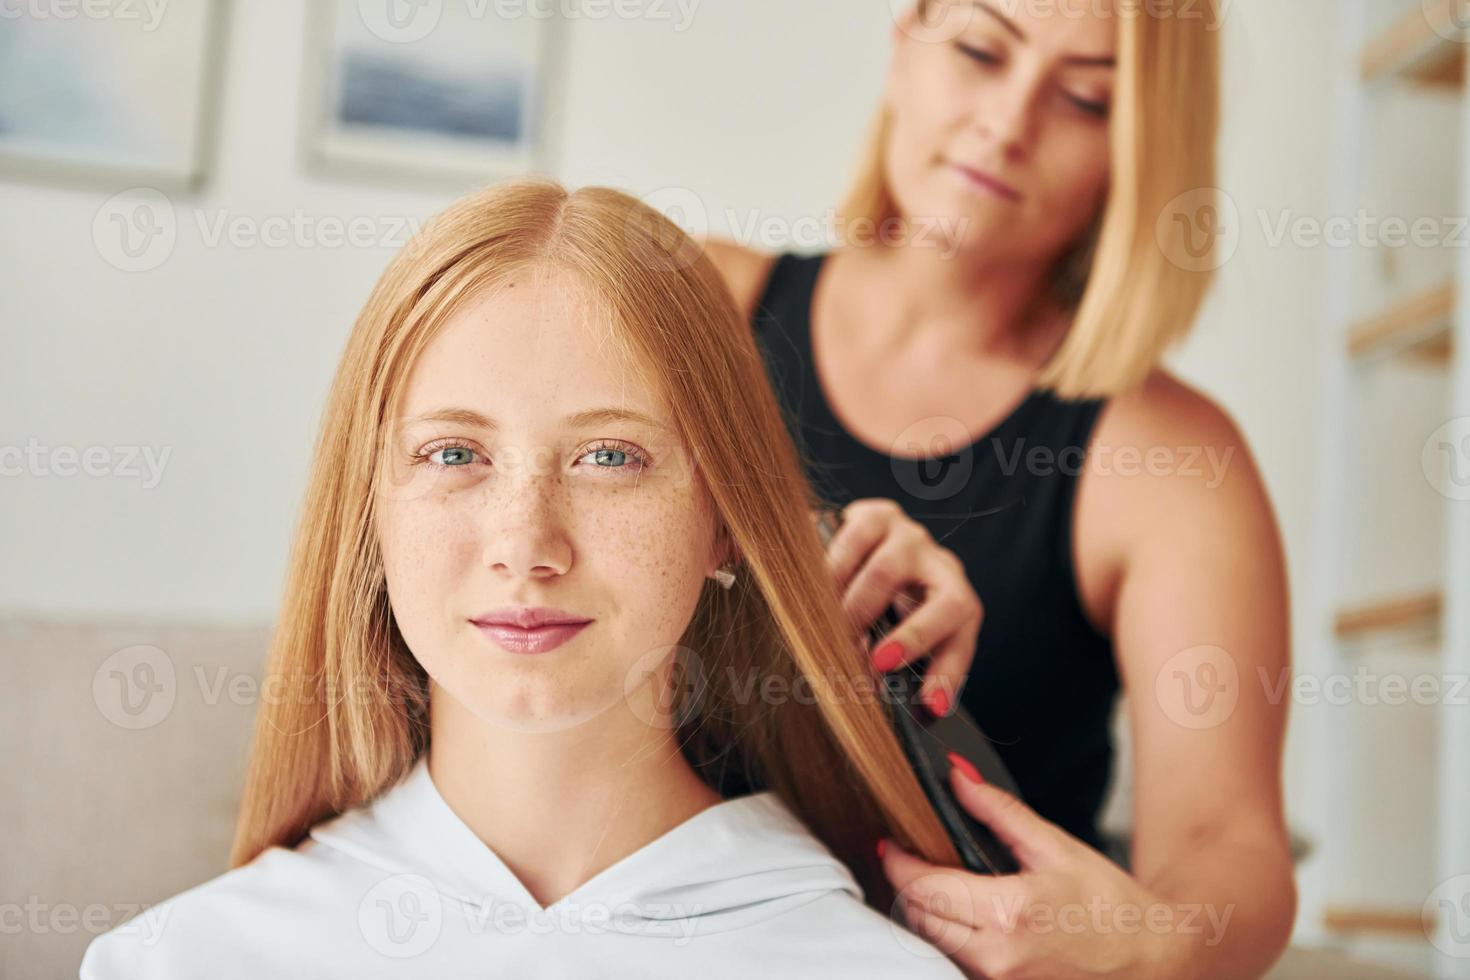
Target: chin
point(539, 702)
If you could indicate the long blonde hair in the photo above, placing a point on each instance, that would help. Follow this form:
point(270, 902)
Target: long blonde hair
point(1132, 300)
point(354, 719)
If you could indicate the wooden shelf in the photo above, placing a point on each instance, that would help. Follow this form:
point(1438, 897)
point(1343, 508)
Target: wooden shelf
point(1360, 920)
point(1412, 51)
point(1417, 327)
point(1401, 613)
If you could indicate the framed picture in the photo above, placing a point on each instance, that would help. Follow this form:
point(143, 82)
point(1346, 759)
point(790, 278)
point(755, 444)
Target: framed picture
point(420, 88)
point(125, 98)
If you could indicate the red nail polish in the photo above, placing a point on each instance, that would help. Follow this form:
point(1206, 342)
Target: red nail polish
point(887, 656)
point(938, 703)
point(966, 767)
point(882, 846)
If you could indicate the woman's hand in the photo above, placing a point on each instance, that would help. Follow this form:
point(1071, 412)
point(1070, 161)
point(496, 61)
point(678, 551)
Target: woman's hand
point(1069, 913)
point(882, 557)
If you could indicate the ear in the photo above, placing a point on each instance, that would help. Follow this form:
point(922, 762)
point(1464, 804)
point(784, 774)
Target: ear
point(725, 549)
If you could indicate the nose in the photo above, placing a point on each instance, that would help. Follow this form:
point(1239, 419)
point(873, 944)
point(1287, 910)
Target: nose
point(1007, 114)
point(526, 533)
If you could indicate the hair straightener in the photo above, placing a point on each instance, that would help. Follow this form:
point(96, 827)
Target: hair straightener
point(927, 742)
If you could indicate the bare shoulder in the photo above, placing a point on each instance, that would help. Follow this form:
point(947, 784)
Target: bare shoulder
point(1169, 470)
point(745, 270)
point(1165, 407)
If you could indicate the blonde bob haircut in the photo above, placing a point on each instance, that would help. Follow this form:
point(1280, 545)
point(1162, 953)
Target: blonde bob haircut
point(1134, 284)
point(355, 717)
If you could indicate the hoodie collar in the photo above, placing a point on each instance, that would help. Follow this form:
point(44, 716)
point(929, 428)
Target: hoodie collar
point(734, 863)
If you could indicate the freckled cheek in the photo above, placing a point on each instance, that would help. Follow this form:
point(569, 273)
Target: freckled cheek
point(426, 548)
point(652, 551)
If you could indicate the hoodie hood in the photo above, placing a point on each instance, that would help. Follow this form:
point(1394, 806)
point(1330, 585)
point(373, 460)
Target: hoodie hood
point(729, 866)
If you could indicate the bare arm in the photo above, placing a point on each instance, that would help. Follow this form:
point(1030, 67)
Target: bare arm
point(1200, 624)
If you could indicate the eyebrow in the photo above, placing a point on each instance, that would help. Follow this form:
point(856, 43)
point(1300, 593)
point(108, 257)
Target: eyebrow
point(577, 420)
point(1103, 61)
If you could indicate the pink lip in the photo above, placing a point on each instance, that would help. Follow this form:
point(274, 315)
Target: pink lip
point(529, 629)
point(985, 182)
point(514, 639)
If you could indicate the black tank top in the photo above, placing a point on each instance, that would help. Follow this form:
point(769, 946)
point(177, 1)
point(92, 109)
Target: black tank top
point(1043, 681)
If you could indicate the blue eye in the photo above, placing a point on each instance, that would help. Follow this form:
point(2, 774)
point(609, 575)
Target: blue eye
point(456, 455)
point(604, 457)
point(615, 457)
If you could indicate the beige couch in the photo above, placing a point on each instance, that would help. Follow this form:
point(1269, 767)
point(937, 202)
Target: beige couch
point(115, 799)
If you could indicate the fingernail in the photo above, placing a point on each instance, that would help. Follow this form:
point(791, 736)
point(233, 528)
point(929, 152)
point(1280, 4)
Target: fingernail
point(888, 655)
point(965, 766)
point(938, 702)
point(882, 847)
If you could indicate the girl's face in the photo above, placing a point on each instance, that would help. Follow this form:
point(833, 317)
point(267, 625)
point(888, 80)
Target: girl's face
point(999, 120)
point(532, 467)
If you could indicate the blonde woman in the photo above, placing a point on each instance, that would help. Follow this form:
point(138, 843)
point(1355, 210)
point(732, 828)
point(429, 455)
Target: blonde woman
point(561, 685)
point(982, 348)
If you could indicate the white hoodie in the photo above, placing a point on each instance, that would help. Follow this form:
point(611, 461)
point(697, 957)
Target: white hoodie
point(403, 888)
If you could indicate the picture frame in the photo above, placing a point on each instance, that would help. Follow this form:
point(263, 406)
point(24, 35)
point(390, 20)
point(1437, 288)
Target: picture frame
point(444, 93)
point(120, 100)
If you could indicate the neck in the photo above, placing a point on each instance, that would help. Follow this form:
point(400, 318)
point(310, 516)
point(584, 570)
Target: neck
point(559, 807)
point(971, 301)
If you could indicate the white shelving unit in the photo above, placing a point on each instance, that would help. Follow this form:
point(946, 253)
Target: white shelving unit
point(1389, 804)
